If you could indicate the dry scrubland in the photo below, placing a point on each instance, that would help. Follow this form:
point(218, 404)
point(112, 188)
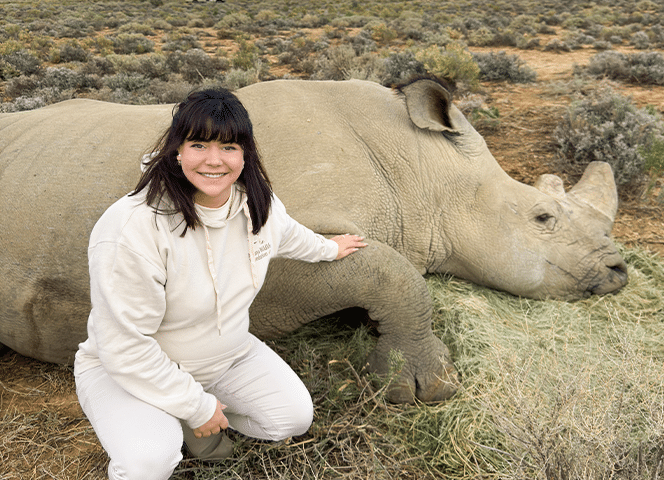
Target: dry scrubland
point(551, 390)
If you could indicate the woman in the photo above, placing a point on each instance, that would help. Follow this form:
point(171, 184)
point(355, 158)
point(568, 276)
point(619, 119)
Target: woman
point(174, 267)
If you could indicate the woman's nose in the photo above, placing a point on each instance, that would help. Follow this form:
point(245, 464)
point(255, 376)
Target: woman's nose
point(215, 156)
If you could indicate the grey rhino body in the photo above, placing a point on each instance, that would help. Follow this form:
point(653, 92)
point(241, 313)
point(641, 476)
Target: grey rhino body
point(404, 169)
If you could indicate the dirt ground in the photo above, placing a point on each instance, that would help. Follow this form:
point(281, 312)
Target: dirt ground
point(34, 395)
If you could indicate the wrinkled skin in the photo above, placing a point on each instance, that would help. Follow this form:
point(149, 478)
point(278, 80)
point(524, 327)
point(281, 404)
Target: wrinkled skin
point(404, 169)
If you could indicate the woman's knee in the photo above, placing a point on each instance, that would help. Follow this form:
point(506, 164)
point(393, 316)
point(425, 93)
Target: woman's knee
point(147, 462)
point(297, 420)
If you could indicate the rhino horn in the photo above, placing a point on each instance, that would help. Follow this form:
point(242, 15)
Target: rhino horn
point(551, 185)
point(428, 103)
point(597, 188)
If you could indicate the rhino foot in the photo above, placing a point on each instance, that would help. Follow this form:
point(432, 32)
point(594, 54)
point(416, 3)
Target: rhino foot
point(426, 374)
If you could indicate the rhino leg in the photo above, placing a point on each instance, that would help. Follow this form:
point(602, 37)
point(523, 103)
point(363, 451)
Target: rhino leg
point(381, 281)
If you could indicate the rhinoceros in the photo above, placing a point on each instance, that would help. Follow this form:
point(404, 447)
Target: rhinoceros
point(402, 167)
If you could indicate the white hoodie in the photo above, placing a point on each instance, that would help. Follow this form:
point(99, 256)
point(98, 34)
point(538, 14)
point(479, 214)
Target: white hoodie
point(171, 313)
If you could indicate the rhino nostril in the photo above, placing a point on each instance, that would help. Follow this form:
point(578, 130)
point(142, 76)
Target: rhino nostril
point(619, 269)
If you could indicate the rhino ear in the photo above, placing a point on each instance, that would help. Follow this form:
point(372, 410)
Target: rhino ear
point(428, 104)
point(597, 188)
point(552, 185)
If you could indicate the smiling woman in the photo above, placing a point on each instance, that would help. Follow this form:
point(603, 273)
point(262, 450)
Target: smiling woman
point(174, 267)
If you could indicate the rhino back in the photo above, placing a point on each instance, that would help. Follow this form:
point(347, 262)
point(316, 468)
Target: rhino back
point(324, 144)
point(60, 168)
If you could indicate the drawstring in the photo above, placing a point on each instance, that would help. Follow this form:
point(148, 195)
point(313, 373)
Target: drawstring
point(213, 273)
point(213, 270)
point(252, 256)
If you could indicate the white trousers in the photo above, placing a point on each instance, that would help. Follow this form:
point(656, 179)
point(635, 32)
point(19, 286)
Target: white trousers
point(265, 399)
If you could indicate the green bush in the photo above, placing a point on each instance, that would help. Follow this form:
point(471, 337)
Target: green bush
point(126, 43)
point(246, 55)
point(500, 66)
point(233, 21)
point(606, 126)
point(70, 52)
point(453, 63)
point(18, 63)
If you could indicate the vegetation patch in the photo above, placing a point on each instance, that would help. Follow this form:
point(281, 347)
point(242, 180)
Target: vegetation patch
point(606, 126)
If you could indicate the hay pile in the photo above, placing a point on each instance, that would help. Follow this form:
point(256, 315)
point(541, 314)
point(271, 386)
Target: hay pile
point(551, 390)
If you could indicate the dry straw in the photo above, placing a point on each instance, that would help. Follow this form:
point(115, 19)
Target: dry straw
point(551, 390)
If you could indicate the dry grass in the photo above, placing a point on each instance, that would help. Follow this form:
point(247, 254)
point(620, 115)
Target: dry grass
point(551, 390)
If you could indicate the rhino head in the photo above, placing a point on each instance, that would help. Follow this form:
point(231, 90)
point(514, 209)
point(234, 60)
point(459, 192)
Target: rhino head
point(534, 241)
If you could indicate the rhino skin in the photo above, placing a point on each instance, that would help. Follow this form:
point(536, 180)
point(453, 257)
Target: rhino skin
point(401, 167)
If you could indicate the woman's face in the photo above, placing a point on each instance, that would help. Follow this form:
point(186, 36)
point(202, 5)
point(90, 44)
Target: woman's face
point(212, 167)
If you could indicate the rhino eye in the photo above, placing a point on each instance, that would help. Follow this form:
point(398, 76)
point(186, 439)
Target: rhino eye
point(546, 220)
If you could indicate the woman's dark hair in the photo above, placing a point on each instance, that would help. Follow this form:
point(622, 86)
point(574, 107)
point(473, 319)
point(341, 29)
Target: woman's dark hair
point(206, 115)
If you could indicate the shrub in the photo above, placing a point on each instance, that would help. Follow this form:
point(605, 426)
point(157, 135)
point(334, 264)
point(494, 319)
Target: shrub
point(173, 91)
point(233, 21)
point(22, 103)
point(401, 66)
point(237, 78)
point(556, 45)
point(453, 62)
point(336, 64)
point(198, 65)
point(70, 52)
point(178, 41)
point(640, 40)
point(17, 64)
point(246, 55)
point(60, 78)
point(645, 67)
point(481, 37)
point(127, 82)
point(138, 28)
point(363, 43)
point(154, 66)
point(99, 66)
point(381, 33)
point(606, 126)
point(653, 162)
point(602, 45)
point(265, 17)
point(500, 66)
point(127, 43)
point(73, 28)
point(21, 86)
point(41, 46)
point(311, 21)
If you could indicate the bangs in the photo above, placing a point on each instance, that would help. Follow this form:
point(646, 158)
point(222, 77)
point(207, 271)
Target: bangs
point(218, 121)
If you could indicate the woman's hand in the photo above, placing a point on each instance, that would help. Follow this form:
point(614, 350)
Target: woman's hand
point(216, 424)
point(348, 244)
